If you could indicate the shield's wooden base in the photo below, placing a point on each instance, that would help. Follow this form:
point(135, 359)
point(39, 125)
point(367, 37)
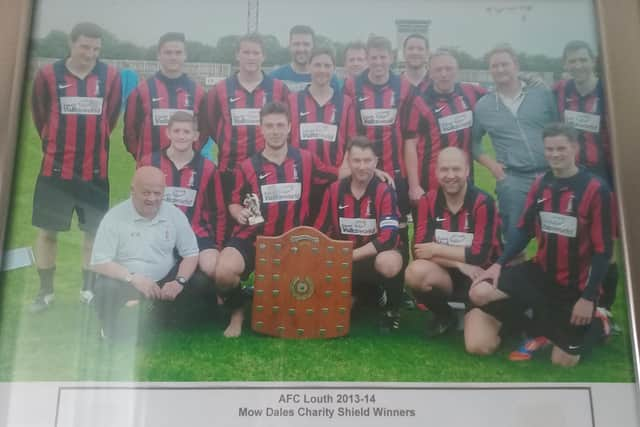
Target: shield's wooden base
point(302, 285)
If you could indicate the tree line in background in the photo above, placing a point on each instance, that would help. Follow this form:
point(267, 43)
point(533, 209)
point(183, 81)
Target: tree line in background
point(55, 45)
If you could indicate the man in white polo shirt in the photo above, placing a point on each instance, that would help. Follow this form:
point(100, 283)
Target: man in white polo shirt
point(134, 251)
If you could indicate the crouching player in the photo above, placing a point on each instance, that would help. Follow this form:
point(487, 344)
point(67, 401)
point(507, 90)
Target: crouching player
point(456, 235)
point(569, 211)
point(280, 177)
point(363, 209)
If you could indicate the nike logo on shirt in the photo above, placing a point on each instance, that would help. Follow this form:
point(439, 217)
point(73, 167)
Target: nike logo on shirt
point(264, 175)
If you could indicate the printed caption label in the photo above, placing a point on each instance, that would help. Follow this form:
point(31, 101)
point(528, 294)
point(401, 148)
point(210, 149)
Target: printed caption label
point(373, 407)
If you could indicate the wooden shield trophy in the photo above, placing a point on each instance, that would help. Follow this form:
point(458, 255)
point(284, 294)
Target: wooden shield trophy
point(302, 285)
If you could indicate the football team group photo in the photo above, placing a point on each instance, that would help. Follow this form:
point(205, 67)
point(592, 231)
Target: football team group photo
point(294, 200)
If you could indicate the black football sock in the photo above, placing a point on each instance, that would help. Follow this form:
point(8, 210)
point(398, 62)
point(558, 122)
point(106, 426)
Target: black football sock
point(234, 298)
point(609, 286)
point(404, 249)
point(436, 301)
point(393, 287)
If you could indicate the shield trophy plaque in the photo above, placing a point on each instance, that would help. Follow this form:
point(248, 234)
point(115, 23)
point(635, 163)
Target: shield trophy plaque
point(302, 285)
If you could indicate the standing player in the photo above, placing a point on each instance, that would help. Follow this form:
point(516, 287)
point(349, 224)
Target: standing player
point(75, 106)
point(440, 117)
point(193, 185)
point(322, 118)
point(152, 103)
point(568, 210)
point(363, 209)
point(380, 98)
point(296, 75)
point(415, 50)
point(231, 112)
point(282, 178)
point(513, 116)
point(456, 233)
point(355, 59)
point(581, 104)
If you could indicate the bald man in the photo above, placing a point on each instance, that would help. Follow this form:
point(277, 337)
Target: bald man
point(134, 251)
point(456, 234)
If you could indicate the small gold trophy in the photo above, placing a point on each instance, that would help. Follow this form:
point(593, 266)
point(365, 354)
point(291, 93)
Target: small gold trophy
point(252, 203)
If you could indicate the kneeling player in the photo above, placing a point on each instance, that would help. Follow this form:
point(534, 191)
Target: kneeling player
point(193, 185)
point(457, 233)
point(280, 177)
point(569, 212)
point(363, 209)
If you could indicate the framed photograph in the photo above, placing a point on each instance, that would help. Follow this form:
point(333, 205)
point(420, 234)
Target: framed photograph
point(55, 369)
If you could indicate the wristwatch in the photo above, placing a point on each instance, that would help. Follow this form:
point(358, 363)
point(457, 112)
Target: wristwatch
point(129, 277)
point(181, 280)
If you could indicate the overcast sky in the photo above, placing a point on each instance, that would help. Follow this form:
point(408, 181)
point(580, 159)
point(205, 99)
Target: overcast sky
point(534, 26)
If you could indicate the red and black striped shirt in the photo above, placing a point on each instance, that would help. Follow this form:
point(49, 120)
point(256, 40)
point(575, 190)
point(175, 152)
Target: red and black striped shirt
point(571, 219)
point(371, 218)
point(74, 118)
point(323, 130)
point(421, 87)
point(587, 114)
point(283, 190)
point(231, 116)
point(197, 191)
point(476, 226)
point(379, 109)
point(439, 121)
point(149, 108)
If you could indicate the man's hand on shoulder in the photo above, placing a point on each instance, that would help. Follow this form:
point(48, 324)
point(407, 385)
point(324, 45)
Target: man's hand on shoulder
point(385, 177)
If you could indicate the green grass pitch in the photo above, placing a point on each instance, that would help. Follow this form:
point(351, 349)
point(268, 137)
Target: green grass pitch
point(62, 343)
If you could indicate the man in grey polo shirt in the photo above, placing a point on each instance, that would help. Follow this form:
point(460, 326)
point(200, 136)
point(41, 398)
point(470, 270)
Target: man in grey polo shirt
point(134, 249)
point(513, 116)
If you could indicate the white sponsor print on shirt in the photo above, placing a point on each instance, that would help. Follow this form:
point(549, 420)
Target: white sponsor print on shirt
point(453, 238)
point(358, 226)
point(161, 116)
point(322, 131)
point(378, 116)
point(455, 122)
point(582, 121)
point(285, 192)
point(81, 105)
point(180, 196)
point(295, 86)
point(245, 116)
point(555, 223)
